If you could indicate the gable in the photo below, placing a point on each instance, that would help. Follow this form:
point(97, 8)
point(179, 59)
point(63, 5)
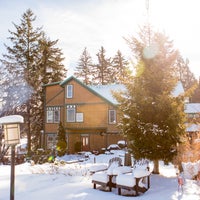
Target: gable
point(104, 92)
point(54, 95)
point(85, 92)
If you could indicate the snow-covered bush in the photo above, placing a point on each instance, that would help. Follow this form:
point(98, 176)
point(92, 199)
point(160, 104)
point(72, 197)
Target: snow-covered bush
point(191, 169)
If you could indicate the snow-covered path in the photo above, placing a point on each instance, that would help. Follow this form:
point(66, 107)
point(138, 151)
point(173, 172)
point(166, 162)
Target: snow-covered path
point(64, 187)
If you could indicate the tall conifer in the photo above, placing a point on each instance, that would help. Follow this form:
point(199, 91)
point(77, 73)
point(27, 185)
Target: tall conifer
point(120, 68)
point(153, 119)
point(85, 67)
point(102, 71)
point(26, 62)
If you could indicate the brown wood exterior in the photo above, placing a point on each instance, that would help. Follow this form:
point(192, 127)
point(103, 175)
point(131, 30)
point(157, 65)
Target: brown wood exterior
point(90, 128)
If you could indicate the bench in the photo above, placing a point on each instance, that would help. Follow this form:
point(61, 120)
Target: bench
point(137, 181)
point(107, 178)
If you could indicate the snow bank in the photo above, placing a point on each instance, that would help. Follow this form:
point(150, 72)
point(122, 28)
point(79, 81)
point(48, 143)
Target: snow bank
point(191, 169)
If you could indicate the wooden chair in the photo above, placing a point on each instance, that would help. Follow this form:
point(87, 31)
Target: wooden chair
point(104, 178)
point(138, 181)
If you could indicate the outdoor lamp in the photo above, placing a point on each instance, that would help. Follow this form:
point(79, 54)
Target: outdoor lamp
point(12, 137)
point(11, 128)
point(11, 134)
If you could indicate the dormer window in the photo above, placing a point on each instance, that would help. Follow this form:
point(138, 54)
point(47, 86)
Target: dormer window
point(69, 91)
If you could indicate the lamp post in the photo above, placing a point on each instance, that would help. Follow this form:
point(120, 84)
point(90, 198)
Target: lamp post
point(12, 137)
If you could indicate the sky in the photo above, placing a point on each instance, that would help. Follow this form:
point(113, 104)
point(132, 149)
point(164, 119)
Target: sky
point(94, 23)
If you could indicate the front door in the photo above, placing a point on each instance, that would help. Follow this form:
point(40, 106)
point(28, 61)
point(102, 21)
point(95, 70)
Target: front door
point(85, 142)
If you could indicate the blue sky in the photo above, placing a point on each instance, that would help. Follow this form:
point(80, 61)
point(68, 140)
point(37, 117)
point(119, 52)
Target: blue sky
point(95, 23)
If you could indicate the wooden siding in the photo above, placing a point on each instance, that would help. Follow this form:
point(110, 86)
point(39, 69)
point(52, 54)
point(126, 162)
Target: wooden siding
point(54, 95)
point(95, 116)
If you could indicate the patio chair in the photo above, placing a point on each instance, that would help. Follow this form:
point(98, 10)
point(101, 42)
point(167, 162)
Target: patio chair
point(107, 177)
point(137, 181)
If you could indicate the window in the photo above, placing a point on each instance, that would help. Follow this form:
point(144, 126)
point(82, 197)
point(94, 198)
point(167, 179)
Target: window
point(69, 91)
point(56, 116)
point(49, 116)
point(112, 116)
point(53, 114)
point(79, 117)
point(71, 111)
point(51, 141)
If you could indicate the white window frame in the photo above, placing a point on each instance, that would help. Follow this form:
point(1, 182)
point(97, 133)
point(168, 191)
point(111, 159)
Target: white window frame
point(69, 91)
point(51, 114)
point(112, 117)
point(71, 110)
point(79, 117)
point(56, 116)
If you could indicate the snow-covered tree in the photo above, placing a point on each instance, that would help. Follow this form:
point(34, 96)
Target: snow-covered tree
point(27, 61)
point(152, 118)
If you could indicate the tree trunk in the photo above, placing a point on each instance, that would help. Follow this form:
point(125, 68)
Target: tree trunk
point(156, 167)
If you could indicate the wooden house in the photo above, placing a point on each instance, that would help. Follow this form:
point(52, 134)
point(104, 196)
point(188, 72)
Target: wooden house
point(88, 113)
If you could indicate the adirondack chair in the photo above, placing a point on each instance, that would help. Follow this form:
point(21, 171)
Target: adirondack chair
point(137, 181)
point(107, 177)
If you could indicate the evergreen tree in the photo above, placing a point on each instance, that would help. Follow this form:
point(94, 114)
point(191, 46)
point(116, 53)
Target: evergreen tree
point(21, 64)
point(120, 68)
point(152, 120)
point(27, 62)
point(51, 70)
point(102, 71)
point(84, 68)
point(61, 145)
point(184, 73)
point(188, 79)
point(50, 62)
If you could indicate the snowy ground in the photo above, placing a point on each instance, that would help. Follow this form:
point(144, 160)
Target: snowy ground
point(73, 181)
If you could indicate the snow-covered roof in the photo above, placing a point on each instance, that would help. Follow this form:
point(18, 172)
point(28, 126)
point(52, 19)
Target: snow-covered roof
point(106, 91)
point(193, 128)
point(11, 119)
point(192, 108)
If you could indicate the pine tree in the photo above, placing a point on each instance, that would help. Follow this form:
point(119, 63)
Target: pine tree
point(84, 68)
point(102, 71)
point(120, 68)
point(51, 69)
point(30, 62)
point(184, 73)
point(20, 63)
point(61, 145)
point(152, 120)
point(50, 62)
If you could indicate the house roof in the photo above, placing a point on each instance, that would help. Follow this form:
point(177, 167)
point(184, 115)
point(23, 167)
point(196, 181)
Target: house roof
point(106, 91)
point(192, 108)
point(192, 127)
point(103, 91)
